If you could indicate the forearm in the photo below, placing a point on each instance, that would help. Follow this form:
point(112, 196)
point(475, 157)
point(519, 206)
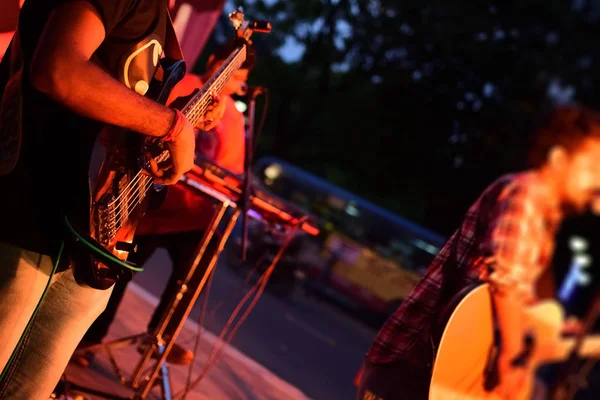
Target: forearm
point(89, 91)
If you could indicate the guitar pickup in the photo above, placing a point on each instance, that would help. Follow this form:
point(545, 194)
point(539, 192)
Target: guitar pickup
point(126, 246)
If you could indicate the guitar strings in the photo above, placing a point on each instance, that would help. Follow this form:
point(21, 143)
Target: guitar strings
point(196, 112)
point(127, 191)
point(192, 113)
point(192, 116)
point(162, 157)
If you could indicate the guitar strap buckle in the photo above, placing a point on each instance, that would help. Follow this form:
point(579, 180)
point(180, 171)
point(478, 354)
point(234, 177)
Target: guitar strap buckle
point(491, 373)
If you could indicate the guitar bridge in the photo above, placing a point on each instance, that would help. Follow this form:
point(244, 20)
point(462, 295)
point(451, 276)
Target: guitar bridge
point(106, 222)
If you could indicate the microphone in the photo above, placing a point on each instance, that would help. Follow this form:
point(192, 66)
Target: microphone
point(242, 90)
point(256, 90)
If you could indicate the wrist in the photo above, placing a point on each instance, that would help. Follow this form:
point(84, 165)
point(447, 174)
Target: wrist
point(176, 127)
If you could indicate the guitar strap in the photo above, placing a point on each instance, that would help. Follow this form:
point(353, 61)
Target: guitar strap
point(449, 270)
point(444, 308)
point(172, 48)
point(11, 135)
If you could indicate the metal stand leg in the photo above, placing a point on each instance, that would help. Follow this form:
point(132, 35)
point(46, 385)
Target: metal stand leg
point(160, 370)
point(81, 389)
point(109, 346)
point(165, 378)
point(136, 383)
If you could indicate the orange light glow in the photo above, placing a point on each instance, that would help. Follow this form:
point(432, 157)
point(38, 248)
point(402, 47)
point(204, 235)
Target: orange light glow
point(230, 187)
point(5, 38)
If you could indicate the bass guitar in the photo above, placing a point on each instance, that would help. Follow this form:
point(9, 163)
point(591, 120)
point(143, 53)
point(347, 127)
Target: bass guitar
point(122, 192)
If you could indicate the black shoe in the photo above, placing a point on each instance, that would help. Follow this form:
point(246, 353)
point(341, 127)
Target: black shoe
point(83, 358)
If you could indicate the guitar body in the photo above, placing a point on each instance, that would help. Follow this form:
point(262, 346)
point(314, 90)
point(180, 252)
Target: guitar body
point(119, 195)
point(458, 372)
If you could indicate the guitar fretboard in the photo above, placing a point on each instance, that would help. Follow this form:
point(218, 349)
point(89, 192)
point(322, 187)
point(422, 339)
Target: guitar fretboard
point(200, 103)
point(118, 211)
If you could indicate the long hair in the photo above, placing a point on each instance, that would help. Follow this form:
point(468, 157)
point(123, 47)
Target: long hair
point(565, 126)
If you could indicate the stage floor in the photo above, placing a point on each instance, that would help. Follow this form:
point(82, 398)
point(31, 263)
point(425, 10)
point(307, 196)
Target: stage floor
point(234, 376)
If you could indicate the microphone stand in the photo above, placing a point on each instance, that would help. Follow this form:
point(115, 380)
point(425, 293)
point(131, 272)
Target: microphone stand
point(249, 153)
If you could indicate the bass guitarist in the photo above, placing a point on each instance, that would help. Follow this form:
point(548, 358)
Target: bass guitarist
point(506, 238)
point(179, 224)
point(74, 67)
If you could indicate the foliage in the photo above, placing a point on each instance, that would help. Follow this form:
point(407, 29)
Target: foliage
point(418, 105)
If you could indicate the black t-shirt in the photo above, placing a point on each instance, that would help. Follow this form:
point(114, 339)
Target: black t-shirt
point(51, 176)
point(587, 227)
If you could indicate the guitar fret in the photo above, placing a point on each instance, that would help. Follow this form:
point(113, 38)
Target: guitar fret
point(119, 209)
point(203, 99)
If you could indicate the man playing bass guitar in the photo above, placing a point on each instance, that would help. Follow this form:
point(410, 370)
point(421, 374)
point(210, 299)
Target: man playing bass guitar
point(75, 66)
point(179, 224)
point(506, 238)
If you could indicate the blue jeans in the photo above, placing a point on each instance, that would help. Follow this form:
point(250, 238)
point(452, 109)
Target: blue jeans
point(64, 316)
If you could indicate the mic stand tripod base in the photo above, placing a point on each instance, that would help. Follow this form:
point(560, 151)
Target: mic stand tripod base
point(65, 386)
point(141, 382)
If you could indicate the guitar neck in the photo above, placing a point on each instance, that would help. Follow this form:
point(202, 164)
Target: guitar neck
point(590, 348)
point(194, 110)
point(199, 104)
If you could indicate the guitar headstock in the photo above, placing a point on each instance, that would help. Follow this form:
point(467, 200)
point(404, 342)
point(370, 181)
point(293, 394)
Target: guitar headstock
point(245, 28)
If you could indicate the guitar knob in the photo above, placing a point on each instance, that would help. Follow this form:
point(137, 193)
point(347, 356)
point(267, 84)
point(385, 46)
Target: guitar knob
point(126, 246)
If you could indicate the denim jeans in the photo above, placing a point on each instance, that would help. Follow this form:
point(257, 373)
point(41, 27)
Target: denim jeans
point(63, 317)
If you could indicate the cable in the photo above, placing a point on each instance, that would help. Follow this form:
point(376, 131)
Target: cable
point(241, 288)
point(199, 332)
point(224, 338)
point(212, 312)
point(263, 118)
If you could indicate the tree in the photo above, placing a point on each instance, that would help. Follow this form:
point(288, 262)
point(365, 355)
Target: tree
point(417, 105)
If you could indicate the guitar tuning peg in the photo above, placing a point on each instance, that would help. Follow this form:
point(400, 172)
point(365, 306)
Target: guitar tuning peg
point(237, 17)
point(261, 26)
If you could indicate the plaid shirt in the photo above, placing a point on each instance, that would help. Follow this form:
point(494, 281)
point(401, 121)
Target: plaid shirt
point(509, 231)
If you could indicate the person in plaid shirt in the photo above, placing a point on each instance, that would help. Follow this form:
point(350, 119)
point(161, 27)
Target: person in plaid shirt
point(507, 239)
